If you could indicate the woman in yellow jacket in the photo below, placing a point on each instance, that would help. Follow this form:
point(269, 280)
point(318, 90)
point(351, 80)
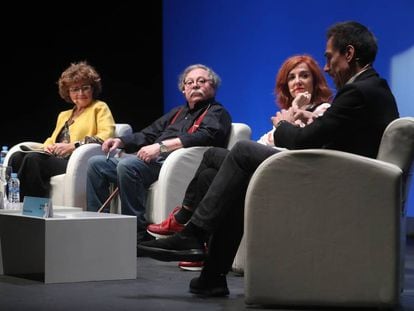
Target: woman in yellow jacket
point(90, 120)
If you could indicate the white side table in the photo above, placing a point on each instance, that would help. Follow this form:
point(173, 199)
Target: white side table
point(71, 247)
point(56, 209)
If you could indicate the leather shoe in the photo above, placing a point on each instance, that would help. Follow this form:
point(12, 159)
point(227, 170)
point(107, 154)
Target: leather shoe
point(209, 286)
point(167, 227)
point(143, 236)
point(178, 247)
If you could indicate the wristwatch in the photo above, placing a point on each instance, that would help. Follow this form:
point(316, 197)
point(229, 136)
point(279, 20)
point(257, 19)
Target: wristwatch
point(163, 148)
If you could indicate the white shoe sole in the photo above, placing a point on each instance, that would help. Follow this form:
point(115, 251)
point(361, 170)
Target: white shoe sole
point(158, 236)
point(191, 268)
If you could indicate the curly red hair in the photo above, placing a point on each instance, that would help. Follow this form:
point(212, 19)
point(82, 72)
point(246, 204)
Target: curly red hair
point(321, 92)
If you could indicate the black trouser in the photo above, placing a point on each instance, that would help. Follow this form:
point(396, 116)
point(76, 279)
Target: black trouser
point(207, 170)
point(34, 171)
point(221, 211)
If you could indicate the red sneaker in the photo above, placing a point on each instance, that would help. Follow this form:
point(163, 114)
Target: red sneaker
point(167, 227)
point(191, 265)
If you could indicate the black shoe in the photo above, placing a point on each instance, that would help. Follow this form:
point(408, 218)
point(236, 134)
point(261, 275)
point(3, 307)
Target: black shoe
point(178, 247)
point(209, 287)
point(143, 236)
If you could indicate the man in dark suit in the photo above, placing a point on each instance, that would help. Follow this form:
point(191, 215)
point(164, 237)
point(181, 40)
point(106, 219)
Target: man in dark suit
point(361, 109)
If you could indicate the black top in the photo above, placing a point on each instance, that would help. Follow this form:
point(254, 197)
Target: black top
point(214, 129)
point(354, 123)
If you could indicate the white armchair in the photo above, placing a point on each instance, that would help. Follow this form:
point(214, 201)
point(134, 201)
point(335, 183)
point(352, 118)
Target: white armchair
point(177, 172)
point(326, 228)
point(69, 189)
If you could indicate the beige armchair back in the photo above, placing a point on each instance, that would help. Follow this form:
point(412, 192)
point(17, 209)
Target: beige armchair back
point(326, 228)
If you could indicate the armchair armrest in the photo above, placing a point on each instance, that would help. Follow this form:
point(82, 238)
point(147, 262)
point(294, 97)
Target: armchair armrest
point(323, 216)
point(175, 175)
point(75, 176)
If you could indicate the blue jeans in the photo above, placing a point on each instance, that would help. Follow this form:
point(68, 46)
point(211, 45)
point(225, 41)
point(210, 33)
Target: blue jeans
point(133, 177)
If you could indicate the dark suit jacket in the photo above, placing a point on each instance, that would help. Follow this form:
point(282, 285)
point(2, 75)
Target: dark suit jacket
point(354, 123)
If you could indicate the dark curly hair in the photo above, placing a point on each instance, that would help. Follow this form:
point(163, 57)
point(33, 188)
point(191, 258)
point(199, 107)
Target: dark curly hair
point(79, 72)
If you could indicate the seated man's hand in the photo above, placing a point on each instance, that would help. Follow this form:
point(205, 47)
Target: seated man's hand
point(148, 153)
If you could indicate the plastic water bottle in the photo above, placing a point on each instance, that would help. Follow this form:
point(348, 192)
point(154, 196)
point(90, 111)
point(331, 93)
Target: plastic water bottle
point(3, 153)
point(14, 191)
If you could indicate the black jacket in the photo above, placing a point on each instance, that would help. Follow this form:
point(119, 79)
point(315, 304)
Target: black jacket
point(214, 129)
point(354, 123)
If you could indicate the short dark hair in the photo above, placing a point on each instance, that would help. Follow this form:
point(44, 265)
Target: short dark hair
point(357, 35)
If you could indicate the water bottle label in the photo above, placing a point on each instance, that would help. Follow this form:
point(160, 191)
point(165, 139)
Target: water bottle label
point(14, 190)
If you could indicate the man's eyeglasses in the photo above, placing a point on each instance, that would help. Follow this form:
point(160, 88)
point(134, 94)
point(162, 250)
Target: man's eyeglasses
point(199, 81)
point(84, 88)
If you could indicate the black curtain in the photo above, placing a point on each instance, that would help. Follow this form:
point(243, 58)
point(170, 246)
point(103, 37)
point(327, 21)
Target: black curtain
point(123, 42)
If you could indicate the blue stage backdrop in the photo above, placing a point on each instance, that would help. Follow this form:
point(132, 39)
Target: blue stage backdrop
point(245, 42)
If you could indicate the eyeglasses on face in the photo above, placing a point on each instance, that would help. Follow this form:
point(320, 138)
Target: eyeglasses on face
point(84, 88)
point(199, 82)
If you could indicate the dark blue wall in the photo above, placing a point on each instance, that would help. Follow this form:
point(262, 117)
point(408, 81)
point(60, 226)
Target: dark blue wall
point(246, 41)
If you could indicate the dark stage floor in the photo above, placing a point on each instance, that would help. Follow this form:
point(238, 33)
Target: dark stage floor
point(158, 286)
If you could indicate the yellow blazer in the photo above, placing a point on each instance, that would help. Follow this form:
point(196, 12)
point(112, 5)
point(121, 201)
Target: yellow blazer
point(95, 120)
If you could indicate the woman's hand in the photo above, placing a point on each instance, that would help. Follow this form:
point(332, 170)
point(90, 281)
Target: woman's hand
point(301, 100)
point(49, 149)
point(60, 149)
